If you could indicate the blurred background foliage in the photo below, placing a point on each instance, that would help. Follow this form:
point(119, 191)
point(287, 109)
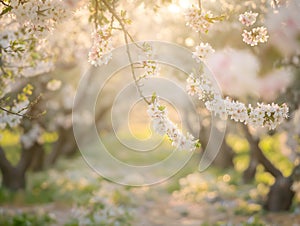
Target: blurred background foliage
point(255, 173)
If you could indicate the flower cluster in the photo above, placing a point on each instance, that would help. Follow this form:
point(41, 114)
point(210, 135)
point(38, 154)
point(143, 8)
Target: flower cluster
point(149, 66)
point(163, 125)
point(256, 35)
point(264, 115)
point(202, 51)
point(22, 55)
point(12, 120)
point(150, 69)
point(198, 20)
point(248, 18)
point(100, 52)
point(38, 17)
point(103, 208)
point(197, 187)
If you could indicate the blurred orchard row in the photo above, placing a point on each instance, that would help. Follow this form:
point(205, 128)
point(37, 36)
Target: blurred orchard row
point(252, 47)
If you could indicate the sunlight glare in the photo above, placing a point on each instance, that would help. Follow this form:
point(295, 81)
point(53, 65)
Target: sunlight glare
point(173, 8)
point(189, 42)
point(185, 4)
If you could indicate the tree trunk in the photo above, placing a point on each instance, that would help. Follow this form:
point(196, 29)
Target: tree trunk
point(65, 145)
point(14, 178)
point(250, 172)
point(256, 157)
point(37, 163)
point(224, 158)
point(280, 196)
point(69, 148)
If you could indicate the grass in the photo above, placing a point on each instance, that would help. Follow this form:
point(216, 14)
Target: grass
point(25, 219)
point(71, 182)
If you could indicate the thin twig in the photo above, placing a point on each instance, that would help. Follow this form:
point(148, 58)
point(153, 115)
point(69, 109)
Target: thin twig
point(126, 36)
point(96, 14)
point(112, 16)
point(200, 5)
point(34, 102)
point(13, 113)
point(4, 3)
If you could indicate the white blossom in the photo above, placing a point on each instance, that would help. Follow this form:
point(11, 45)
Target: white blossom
point(255, 36)
point(38, 17)
point(248, 18)
point(264, 115)
point(100, 52)
point(202, 51)
point(13, 120)
point(163, 125)
point(198, 20)
point(150, 69)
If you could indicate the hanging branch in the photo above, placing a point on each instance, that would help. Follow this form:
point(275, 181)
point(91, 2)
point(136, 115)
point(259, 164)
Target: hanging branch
point(34, 102)
point(127, 36)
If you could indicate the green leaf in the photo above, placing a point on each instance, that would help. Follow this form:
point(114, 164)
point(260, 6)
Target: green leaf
point(198, 144)
point(153, 98)
point(6, 10)
point(161, 107)
point(123, 13)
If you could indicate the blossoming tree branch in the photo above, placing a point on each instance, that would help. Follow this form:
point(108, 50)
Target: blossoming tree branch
point(23, 53)
point(262, 115)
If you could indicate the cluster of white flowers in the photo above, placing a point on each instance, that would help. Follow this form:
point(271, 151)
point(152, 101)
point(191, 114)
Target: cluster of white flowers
point(12, 120)
point(256, 35)
point(100, 52)
point(202, 51)
point(150, 67)
point(248, 18)
point(264, 115)
point(38, 17)
point(103, 209)
point(198, 20)
point(28, 139)
point(163, 125)
point(197, 187)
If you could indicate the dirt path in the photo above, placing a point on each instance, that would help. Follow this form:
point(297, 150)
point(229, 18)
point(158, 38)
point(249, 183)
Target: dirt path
point(155, 207)
point(158, 208)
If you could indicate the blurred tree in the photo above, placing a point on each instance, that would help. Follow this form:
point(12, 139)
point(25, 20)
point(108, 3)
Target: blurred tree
point(38, 37)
